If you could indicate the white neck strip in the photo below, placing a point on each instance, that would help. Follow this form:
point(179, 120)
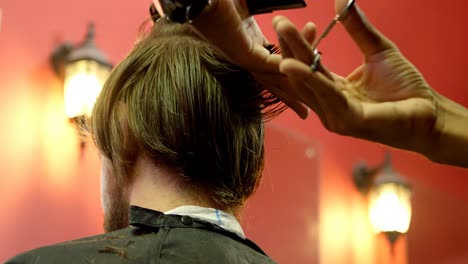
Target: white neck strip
point(214, 216)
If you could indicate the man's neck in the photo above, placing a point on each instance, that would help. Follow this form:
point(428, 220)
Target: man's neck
point(161, 188)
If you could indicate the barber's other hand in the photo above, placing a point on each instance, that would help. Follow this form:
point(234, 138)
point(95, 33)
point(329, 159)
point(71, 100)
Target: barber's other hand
point(229, 27)
point(385, 99)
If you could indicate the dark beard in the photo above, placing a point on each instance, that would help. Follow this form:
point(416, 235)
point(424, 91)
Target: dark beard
point(116, 216)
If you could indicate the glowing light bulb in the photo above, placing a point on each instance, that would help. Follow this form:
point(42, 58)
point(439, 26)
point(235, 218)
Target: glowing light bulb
point(390, 208)
point(83, 83)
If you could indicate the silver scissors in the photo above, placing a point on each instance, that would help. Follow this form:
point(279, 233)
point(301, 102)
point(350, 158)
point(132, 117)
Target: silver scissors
point(316, 65)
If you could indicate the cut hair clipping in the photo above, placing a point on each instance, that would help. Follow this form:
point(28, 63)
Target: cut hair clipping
point(273, 49)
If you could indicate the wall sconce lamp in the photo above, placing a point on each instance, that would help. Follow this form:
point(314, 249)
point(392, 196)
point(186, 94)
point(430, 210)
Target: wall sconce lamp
point(389, 197)
point(83, 70)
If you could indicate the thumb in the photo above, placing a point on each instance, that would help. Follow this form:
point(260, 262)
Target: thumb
point(158, 6)
point(369, 40)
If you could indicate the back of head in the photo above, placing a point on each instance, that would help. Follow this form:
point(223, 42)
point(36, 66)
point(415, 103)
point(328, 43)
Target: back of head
point(176, 100)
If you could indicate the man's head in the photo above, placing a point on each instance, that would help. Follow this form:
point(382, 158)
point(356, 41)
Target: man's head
point(175, 100)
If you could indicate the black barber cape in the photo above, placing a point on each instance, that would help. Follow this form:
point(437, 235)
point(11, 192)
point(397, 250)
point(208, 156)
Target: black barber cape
point(153, 238)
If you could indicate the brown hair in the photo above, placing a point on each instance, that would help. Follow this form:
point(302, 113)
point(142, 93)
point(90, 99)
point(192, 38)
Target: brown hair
point(177, 100)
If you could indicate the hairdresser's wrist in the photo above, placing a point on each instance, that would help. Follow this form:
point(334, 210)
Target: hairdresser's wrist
point(448, 143)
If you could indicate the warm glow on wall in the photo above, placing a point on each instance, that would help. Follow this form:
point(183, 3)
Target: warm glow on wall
point(390, 208)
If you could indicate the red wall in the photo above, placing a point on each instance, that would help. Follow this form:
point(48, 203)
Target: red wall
point(44, 181)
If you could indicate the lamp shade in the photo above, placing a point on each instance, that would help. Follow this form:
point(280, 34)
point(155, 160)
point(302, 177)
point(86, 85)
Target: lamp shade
point(86, 71)
point(390, 202)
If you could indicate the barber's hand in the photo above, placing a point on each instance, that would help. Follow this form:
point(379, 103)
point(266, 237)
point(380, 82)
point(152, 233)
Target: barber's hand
point(386, 99)
point(229, 27)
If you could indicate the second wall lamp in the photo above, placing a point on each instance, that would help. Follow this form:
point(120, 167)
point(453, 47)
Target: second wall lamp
point(389, 198)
